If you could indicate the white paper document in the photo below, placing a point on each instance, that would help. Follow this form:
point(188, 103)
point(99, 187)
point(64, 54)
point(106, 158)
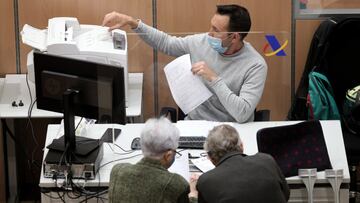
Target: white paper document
point(181, 165)
point(187, 89)
point(203, 163)
point(34, 37)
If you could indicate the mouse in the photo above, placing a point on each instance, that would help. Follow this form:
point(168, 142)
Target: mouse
point(135, 144)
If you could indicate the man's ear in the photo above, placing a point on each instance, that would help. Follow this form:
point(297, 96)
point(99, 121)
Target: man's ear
point(241, 147)
point(212, 160)
point(235, 37)
point(166, 159)
point(238, 36)
point(168, 156)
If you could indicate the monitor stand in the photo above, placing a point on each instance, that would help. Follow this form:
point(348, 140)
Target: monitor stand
point(80, 155)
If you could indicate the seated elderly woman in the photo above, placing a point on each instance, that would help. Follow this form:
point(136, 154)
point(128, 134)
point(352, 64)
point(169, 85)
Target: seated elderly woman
point(238, 177)
point(149, 180)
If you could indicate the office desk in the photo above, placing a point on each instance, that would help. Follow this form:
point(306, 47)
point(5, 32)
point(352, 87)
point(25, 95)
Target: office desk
point(322, 192)
point(14, 88)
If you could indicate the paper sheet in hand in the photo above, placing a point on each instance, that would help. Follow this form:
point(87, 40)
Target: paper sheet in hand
point(187, 89)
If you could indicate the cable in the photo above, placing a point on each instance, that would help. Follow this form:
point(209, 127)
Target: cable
point(128, 151)
point(97, 195)
point(78, 123)
point(78, 191)
point(44, 193)
point(62, 156)
point(61, 197)
point(31, 105)
point(82, 190)
point(22, 148)
point(28, 86)
point(32, 132)
point(117, 160)
point(73, 197)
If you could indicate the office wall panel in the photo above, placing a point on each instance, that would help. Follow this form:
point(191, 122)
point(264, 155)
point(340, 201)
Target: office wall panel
point(7, 65)
point(272, 17)
point(7, 38)
point(37, 12)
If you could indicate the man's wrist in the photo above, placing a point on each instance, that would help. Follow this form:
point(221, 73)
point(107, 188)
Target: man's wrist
point(213, 78)
point(193, 195)
point(133, 23)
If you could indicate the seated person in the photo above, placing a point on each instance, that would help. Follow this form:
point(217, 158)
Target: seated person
point(229, 66)
point(237, 177)
point(149, 180)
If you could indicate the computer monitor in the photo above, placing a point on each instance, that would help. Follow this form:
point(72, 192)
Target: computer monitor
point(81, 88)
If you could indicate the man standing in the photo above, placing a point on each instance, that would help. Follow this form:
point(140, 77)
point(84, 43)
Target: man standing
point(229, 66)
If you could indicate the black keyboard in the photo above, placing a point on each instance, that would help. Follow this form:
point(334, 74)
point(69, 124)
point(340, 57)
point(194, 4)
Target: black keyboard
point(192, 142)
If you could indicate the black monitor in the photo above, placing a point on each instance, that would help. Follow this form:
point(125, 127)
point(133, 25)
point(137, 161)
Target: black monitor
point(81, 88)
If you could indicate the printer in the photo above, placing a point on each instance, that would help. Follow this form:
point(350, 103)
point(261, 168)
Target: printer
point(66, 37)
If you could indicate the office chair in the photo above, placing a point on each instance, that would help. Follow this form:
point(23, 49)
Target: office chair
point(296, 146)
point(262, 115)
point(175, 115)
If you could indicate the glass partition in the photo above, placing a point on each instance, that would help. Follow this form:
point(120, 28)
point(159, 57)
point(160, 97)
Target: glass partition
point(169, 18)
point(322, 8)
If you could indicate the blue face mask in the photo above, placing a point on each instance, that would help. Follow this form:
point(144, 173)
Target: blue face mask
point(216, 44)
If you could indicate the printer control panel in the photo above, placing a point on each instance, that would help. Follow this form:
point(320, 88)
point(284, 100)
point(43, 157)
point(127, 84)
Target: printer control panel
point(119, 41)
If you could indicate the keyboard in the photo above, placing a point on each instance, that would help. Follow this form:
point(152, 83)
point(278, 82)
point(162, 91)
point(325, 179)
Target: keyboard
point(192, 142)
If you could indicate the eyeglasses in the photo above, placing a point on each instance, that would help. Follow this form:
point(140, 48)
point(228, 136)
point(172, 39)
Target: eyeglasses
point(203, 154)
point(177, 154)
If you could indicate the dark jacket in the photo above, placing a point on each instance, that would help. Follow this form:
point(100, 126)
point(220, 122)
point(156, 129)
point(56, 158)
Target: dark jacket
point(147, 181)
point(241, 178)
point(319, 45)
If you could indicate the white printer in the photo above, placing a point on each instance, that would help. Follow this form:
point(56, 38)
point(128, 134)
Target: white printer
point(66, 37)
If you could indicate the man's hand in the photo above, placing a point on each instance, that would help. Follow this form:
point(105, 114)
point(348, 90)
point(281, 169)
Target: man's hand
point(193, 181)
point(202, 69)
point(116, 20)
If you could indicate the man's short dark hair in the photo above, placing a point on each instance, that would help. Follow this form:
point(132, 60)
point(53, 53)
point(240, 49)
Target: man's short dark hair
point(239, 18)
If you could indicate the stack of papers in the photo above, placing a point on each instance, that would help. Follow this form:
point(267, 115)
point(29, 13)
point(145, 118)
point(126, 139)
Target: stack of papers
point(34, 37)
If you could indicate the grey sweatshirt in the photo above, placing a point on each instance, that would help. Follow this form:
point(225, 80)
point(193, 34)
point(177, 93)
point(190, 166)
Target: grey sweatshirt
point(241, 76)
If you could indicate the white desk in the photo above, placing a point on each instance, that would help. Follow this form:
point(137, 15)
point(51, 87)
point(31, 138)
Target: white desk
point(14, 88)
point(322, 192)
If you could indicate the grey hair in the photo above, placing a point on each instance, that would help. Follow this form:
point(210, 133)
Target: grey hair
point(221, 140)
point(158, 136)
